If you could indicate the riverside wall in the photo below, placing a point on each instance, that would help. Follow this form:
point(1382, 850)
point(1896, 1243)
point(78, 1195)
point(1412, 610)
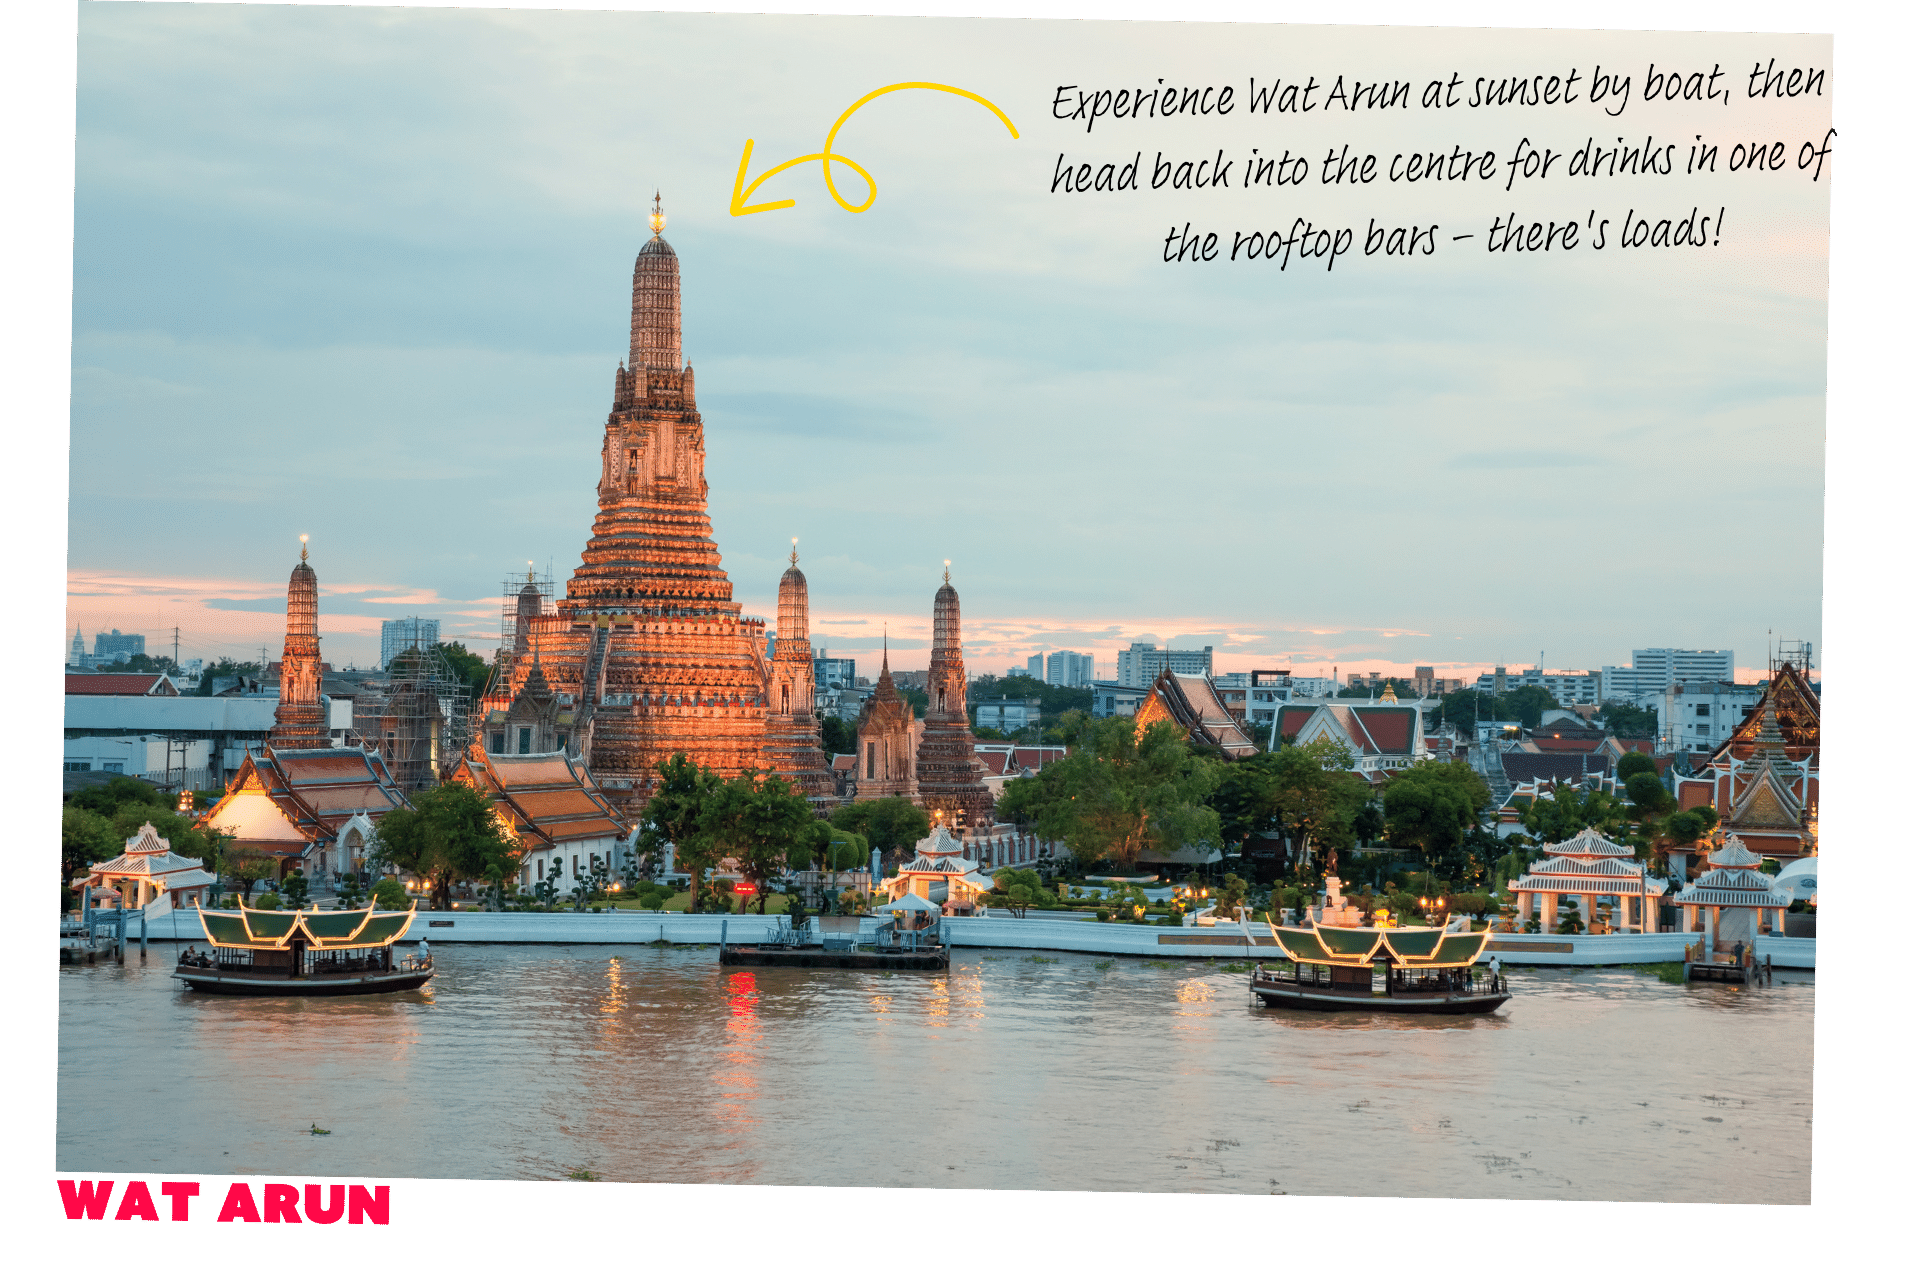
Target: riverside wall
point(1037, 932)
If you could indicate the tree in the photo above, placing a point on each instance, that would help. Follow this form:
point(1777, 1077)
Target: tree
point(1233, 896)
point(451, 833)
point(836, 737)
point(1306, 792)
point(889, 823)
point(1525, 705)
point(1569, 810)
point(1651, 800)
point(1432, 806)
point(1123, 792)
point(1634, 762)
point(471, 669)
point(295, 887)
point(86, 837)
point(390, 895)
point(672, 818)
point(246, 869)
point(758, 820)
point(1625, 720)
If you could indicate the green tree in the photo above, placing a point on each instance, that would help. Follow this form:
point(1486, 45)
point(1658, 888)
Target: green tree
point(246, 869)
point(1651, 800)
point(295, 889)
point(471, 669)
point(450, 833)
point(891, 824)
point(1232, 896)
point(759, 820)
point(1309, 793)
point(1634, 762)
point(1122, 793)
point(672, 817)
point(390, 895)
point(1568, 811)
point(1624, 720)
point(836, 737)
point(86, 837)
point(1525, 705)
point(1691, 824)
point(833, 849)
point(1432, 806)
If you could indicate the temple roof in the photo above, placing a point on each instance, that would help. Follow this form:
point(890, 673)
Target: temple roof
point(938, 841)
point(1192, 703)
point(1415, 948)
point(1590, 844)
point(545, 799)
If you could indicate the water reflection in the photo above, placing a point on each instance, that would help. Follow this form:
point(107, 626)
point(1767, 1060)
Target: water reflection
point(652, 1064)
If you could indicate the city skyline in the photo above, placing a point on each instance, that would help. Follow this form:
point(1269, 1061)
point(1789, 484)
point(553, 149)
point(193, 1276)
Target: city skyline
point(1423, 462)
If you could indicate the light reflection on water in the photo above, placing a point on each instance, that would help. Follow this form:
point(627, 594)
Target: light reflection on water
point(1051, 1072)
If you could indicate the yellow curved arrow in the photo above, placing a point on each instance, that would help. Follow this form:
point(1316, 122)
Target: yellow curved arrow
point(826, 156)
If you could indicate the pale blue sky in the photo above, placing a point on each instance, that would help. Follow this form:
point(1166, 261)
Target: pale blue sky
point(363, 274)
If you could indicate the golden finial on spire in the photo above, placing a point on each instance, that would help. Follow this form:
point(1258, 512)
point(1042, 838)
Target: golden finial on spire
point(529, 571)
point(303, 548)
point(657, 219)
point(946, 575)
point(793, 557)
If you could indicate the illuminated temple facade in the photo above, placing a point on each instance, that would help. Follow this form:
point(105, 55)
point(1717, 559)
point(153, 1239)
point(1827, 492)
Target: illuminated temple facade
point(647, 644)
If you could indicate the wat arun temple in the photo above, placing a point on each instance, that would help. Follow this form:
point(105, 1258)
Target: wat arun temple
point(646, 653)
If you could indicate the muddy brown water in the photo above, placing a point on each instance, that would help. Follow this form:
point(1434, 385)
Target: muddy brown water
point(1016, 1070)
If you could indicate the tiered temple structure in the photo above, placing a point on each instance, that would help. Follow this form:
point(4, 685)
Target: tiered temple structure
point(300, 721)
point(947, 774)
point(648, 645)
point(300, 801)
point(1764, 781)
point(793, 732)
point(886, 742)
point(1734, 901)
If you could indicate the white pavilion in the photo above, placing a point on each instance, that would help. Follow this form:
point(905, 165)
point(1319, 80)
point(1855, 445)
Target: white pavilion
point(938, 874)
point(149, 873)
point(1588, 868)
point(1731, 900)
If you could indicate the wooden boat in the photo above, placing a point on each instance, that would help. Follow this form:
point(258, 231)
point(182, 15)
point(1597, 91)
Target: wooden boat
point(1427, 970)
point(304, 953)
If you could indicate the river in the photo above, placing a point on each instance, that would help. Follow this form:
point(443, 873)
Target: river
point(1017, 1070)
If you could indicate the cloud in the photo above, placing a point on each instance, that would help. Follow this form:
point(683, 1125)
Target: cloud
point(1523, 460)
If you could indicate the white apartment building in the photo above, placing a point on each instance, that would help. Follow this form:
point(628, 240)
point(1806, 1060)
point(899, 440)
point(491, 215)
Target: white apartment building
point(1697, 715)
point(1139, 665)
point(1070, 669)
point(1653, 670)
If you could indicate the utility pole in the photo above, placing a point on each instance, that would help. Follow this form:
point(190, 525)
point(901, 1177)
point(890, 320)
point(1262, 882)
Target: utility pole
point(176, 648)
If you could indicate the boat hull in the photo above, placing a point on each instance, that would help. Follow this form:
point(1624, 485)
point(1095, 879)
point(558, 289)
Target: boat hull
point(1288, 995)
point(228, 982)
point(927, 961)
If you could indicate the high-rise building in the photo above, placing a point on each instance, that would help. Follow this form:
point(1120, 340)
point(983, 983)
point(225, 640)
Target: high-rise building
point(112, 646)
point(1140, 664)
point(1073, 670)
point(1423, 681)
point(832, 673)
point(397, 635)
point(1036, 666)
point(1654, 670)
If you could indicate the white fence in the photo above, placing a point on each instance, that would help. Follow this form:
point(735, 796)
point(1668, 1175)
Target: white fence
point(1037, 932)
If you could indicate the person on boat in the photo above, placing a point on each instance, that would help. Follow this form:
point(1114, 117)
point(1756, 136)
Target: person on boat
point(424, 953)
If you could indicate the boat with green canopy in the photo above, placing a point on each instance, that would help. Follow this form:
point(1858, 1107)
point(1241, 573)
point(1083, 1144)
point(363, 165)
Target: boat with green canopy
point(306, 953)
point(1424, 970)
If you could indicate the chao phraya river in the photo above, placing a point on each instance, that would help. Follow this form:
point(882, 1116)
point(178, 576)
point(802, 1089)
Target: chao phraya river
point(1017, 1070)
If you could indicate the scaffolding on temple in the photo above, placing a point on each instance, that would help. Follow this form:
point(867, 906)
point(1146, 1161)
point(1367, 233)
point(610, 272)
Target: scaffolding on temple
point(423, 728)
point(523, 597)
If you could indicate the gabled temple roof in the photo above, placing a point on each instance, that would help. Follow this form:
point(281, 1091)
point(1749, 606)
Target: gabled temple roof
point(1415, 948)
point(1192, 703)
point(281, 801)
point(543, 799)
point(253, 930)
point(938, 841)
point(1589, 844)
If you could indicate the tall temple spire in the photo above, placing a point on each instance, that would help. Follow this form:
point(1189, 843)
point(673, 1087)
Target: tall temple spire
point(947, 773)
point(653, 341)
point(300, 721)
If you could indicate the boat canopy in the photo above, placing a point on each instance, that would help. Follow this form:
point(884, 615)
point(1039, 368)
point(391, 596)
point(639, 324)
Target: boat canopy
point(1401, 948)
point(252, 930)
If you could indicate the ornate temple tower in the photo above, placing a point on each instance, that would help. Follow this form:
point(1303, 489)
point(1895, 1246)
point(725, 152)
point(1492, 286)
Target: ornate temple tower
point(647, 643)
point(948, 774)
point(886, 742)
point(793, 731)
point(300, 721)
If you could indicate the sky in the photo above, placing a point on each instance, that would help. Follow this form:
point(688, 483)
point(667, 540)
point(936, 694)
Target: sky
point(363, 275)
